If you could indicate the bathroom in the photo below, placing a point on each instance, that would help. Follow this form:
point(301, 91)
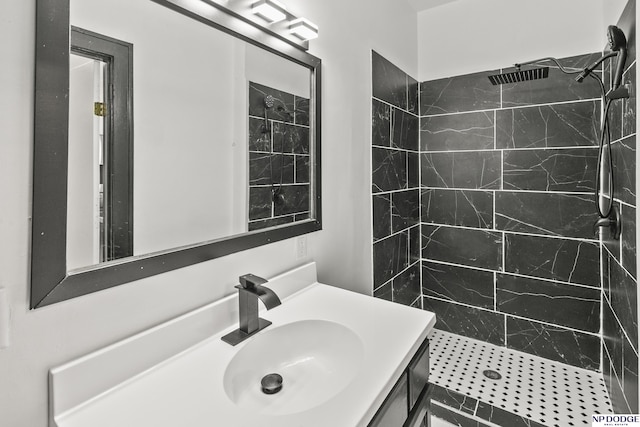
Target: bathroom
point(429, 40)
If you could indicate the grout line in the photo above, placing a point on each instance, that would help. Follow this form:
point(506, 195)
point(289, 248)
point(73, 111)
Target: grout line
point(382, 101)
point(493, 150)
point(575, 101)
point(621, 266)
point(576, 193)
point(384, 147)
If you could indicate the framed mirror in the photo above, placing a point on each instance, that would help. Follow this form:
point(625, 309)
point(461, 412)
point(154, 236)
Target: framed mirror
point(156, 149)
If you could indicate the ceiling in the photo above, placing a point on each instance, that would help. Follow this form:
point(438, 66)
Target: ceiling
point(420, 5)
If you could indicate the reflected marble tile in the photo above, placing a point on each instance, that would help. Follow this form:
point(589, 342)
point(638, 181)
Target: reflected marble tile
point(468, 208)
point(390, 257)
point(557, 87)
point(301, 111)
point(555, 343)
point(384, 292)
point(380, 124)
point(405, 130)
point(259, 135)
point(259, 202)
point(266, 169)
point(284, 103)
point(566, 170)
point(462, 246)
point(303, 169)
point(389, 169)
point(467, 321)
point(405, 209)
point(468, 131)
point(561, 304)
point(288, 138)
point(545, 126)
point(389, 81)
point(296, 199)
point(271, 222)
point(462, 170)
point(558, 259)
point(565, 215)
point(458, 284)
point(468, 92)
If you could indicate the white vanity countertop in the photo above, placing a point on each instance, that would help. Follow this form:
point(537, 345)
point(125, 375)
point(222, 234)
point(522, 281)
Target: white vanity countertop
point(186, 389)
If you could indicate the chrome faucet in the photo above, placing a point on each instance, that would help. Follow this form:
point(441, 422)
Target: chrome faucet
point(250, 290)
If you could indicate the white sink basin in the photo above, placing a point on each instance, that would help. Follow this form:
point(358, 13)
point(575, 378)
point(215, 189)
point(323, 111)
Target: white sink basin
point(317, 359)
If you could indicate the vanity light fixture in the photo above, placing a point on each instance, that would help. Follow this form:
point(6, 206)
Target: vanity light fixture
point(303, 29)
point(270, 10)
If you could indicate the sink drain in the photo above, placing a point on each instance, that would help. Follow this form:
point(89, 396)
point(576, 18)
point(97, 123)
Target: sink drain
point(271, 383)
point(492, 375)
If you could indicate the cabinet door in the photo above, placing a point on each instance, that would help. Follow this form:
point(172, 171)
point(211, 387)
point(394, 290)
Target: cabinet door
point(395, 409)
point(419, 416)
point(418, 372)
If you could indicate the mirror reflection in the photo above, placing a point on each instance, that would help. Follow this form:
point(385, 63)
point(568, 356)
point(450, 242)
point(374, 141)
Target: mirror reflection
point(212, 141)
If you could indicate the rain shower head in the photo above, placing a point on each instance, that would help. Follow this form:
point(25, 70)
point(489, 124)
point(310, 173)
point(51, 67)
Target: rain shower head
point(519, 75)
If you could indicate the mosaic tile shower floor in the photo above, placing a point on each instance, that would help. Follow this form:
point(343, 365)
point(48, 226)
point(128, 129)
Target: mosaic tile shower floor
point(538, 391)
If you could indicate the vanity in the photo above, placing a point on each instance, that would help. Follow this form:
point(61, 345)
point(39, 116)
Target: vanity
point(345, 360)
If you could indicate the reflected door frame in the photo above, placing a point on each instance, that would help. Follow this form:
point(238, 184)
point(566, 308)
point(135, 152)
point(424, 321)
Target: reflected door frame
point(117, 174)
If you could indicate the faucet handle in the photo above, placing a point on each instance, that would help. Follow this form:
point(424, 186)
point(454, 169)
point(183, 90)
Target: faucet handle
point(250, 281)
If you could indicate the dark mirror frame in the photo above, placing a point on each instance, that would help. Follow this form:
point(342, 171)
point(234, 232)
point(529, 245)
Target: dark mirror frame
point(51, 282)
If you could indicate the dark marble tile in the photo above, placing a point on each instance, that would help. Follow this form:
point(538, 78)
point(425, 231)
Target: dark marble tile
point(389, 170)
point(469, 131)
point(566, 170)
point(405, 209)
point(503, 418)
point(565, 215)
point(390, 257)
point(389, 81)
point(453, 418)
point(283, 106)
point(405, 130)
point(381, 216)
point(463, 170)
point(406, 286)
point(380, 124)
point(303, 169)
point(555, 343)
point(618, 401)
point(301, 111)
point(606, 369)
point(288, 138)
point(413, 95)
point(614, 119)
point(545, 126)
point(259, 203)
point(417, 303)
point(413, 171)
point(605, 259)
point(624, 165)
point(296, 199)
point(463, 246)
point(611, 244)
point(630, 376)
point(561, 304)
point(624, 301)
point(629, 105)
point(271, 222)
point(613, 339)
point(384, 292)
point(628, 240)
point(467, 208)
point(265, 169)
point(458, 284)
point(556, 88)
point(453, 399)
point(558, 259)
point(259, 135)
point(467, 321)
point(468, 92)
point(414, 244)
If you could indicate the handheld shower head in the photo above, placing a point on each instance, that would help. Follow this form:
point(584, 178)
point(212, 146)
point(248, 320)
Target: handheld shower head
point(617, 43)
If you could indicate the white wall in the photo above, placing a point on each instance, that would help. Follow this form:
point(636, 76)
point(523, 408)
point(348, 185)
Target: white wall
point(52, 335)
point(467, 36)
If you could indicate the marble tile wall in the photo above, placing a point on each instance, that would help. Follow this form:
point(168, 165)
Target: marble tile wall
point(395, 189)
point(507, 177)
point(278, 158)
point(619, 257)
